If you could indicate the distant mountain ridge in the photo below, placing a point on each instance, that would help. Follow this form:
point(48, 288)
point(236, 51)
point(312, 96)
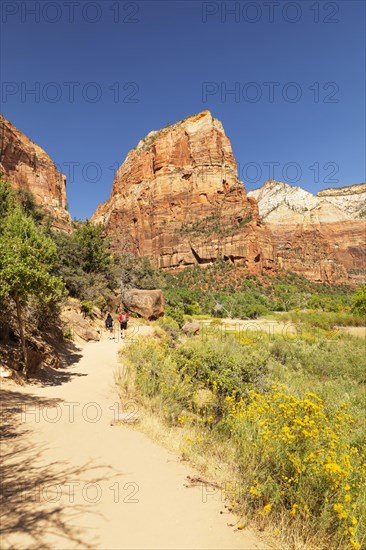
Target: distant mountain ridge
point(276, 198)
point(323, 236)
point(351, 199)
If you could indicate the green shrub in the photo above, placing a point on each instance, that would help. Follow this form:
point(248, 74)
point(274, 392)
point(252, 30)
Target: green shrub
point(329, 357)
point(67, 333)
point(28, 204)
point(192, 309)
point(176, 313)
point(137, 272)
point(87, 308)
point(101, 303)
point(359, 301)
point(326, 320)
point(170, 326)
point(179, 373)
point(216, 322)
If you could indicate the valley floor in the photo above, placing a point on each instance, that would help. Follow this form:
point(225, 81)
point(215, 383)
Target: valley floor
point(72, 480)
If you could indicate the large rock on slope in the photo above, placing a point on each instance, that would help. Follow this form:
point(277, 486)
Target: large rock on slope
point(322, 237)
point(177, 199)
point(80, 326)
point(148, 304)
point(27, 166)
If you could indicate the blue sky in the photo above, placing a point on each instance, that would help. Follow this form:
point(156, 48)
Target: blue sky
point(106, 73)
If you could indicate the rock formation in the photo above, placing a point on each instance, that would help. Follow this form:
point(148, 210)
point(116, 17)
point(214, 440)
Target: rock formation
point(148, 304)
point(351, 199)
point(322, 237)
point(84, 328)
point(177, 199)
point(27, 166)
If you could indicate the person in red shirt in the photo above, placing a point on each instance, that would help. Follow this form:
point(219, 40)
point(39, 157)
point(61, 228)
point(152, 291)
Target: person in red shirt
point(123, 320)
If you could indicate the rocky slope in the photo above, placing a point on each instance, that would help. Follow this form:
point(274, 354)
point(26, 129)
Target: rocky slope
point(322, 237)
point(351, 199)
point(177, 199)
point(26, 165)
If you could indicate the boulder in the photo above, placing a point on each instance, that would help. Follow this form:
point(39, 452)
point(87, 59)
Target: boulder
point(79, 325)
point(96, 313)
point(191, 328)
point(148, 304)
point(114, 301)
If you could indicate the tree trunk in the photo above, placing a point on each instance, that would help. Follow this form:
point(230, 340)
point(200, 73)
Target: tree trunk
point(22, 335)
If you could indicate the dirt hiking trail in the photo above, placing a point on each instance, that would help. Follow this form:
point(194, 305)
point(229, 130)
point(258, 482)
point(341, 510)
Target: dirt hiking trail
point(72, 480)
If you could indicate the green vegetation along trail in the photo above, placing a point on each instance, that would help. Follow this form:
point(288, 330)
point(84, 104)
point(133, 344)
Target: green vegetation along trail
point(73, 480)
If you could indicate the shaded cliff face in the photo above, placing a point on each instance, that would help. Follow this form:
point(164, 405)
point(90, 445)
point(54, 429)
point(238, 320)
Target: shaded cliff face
point(27, 166)
point(322, 237)
point(177, 199)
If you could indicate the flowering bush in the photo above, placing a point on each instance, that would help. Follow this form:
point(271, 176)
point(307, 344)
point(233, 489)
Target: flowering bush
point(180, 375)
point(296, 457)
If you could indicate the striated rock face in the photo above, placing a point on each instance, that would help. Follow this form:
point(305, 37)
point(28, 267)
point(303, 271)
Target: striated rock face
point(351, 199)
point(177, 199)
point(322, 237)
point(27, 166)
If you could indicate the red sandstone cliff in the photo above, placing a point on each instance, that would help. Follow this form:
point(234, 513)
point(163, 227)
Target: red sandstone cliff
point(26, 165)
point(177, 199)
point(321, 237)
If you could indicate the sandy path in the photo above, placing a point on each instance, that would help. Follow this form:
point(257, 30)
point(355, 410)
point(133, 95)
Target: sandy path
point(74, 481)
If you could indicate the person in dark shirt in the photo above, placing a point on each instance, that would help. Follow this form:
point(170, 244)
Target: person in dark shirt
point(109, 325)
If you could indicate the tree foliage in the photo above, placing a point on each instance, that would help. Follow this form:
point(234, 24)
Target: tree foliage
point(359, 301)
point(85, 262)
point(138, 273)
point(28, 204)
point(27, 257)
point(7, 201)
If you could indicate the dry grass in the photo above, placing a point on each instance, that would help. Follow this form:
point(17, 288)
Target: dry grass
point(166, 419)
point(215, 460)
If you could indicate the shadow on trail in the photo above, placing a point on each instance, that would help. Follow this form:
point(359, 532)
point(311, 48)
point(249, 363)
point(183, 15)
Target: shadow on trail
point(14, 406)
point(32, 507)
point(70, 355)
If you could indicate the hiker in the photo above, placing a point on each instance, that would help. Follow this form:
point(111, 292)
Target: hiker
point(109, 325)
point(123, 320)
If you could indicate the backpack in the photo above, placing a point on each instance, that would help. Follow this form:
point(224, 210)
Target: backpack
point(124, 317)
